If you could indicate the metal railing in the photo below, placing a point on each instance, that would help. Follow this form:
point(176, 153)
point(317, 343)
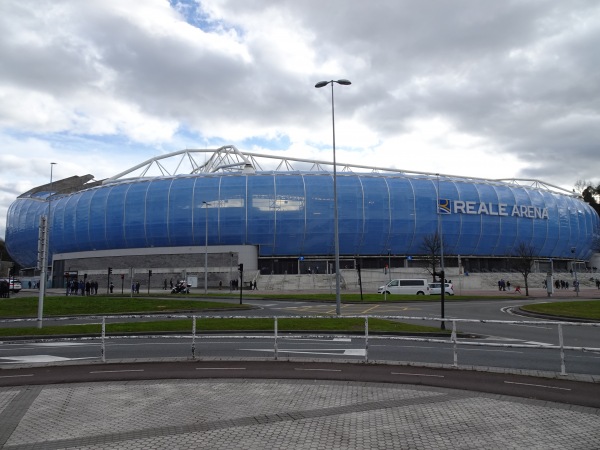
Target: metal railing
point(277, 337)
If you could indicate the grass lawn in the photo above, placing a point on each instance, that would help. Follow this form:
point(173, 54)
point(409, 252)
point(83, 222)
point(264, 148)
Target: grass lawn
point(585, 309)
point(26, 307)
point(98, 305)
point(206, 324)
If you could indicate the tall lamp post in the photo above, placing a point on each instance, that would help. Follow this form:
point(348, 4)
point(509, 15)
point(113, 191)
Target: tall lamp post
point(576, 281)
point(45, 253)
point(206, 205)
point(442, 269)
point(336, 238)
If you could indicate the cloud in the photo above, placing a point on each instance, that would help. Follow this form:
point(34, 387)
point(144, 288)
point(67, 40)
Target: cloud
point(499, 90)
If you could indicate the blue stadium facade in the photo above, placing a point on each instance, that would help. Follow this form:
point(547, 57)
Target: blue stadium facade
point(290, 214)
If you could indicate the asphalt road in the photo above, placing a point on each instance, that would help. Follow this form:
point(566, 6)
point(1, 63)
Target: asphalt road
point(503, 355)
point(555, 390)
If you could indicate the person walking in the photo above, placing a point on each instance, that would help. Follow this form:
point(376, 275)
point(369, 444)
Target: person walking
point(518, 289)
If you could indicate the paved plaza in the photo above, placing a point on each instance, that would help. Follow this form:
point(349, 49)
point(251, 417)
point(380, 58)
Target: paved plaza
point(291, 414)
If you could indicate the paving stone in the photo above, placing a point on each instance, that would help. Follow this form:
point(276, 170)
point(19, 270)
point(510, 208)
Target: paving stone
point(250, 414)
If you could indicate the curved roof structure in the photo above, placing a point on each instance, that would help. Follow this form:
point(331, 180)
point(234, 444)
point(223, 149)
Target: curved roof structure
point(284, 206)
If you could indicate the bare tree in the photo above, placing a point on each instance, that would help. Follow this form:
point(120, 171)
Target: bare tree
point(524, 256)
point(431, 247)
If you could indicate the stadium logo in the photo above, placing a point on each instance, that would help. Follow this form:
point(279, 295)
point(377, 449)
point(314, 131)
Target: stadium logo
point(446, 206)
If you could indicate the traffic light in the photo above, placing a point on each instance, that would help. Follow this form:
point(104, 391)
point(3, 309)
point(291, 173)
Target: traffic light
point(122, 276)
point(150, 273)
point(110, 270)
point(241, 267)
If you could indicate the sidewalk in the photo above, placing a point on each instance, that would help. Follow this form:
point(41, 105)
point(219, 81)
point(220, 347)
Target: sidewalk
point(284, 414)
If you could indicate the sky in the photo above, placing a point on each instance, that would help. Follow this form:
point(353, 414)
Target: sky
point(490, 89)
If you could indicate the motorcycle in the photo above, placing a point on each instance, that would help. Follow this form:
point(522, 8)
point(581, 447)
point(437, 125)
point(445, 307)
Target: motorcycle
point(181, 288)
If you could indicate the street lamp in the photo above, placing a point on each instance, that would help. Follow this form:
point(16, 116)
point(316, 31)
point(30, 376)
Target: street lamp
point(45, 252)
point(336, 239)
point(576, 282)
point(206, 205)
point(441, 236)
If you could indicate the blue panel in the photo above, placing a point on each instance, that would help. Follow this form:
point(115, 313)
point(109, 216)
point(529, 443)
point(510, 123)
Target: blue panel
point(115, 216)
point(97, 224)
point(135, 215)
point(59, 241)
point(319, 215)
point(375, 238)
point(261, 212)
point(508, 232)
point(490, 224)
point(404, 216)
point(181, 210)
point(157, 213)
point(206, 189)
point(563, 245)
point(449, 223)
point(552, 224)
point(82, 220)
point(350, 207)
point(69, 221)
point(232, 210)
point(426, 213)
point(524, 224)
point(540, 226)
point(290, 214)
point(470, 227)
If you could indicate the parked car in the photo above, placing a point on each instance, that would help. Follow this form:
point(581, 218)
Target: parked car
point(405, 286)
point(15, 285)
point(436, 288)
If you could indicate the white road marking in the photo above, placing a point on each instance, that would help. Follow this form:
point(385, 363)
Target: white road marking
point(117, 371)
point(325, 351)
point(318, 370)
point(40, 359)
point(537, 385)
point(320, 340)
point(15, 376)
point(58, 344)
point(220, 368)
point(417, 374)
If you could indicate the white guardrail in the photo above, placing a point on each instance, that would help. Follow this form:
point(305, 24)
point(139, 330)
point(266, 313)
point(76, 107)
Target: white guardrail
point(453, 338)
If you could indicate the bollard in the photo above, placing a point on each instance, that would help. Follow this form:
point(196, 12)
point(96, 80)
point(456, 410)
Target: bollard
point(366, 339)
point(193, 337)
point(563, 369)
point(103, 346)
point(275, 334)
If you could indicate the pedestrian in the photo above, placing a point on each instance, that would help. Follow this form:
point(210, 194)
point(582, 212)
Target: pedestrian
point(112, 286)
point(171, 283)
point(518, 289)
point(507, 285)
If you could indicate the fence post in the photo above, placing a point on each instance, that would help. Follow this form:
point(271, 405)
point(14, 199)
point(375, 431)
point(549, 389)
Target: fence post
point(563, 370)
point(275, 334)
point(366, 339)
point(453, 339)
point(103, 346)
point(193, 337)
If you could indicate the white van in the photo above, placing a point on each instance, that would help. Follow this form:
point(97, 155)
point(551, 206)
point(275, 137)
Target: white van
point(415, 286)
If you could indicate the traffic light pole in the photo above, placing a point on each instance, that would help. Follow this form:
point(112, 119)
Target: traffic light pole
point(241, 269)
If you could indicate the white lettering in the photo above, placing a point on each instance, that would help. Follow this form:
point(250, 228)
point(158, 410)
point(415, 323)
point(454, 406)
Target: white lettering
point(499, 209)
point(459, 207)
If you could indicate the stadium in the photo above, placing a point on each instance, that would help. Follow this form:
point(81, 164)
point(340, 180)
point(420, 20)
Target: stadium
point(197, 214)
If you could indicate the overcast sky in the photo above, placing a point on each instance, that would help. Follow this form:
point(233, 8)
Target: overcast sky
point(495, 89)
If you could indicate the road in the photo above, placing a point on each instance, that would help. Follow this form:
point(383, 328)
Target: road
point(352, 348)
